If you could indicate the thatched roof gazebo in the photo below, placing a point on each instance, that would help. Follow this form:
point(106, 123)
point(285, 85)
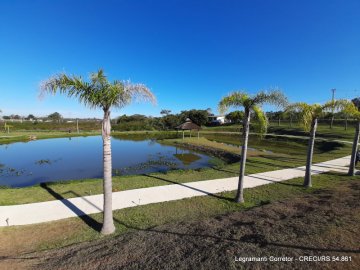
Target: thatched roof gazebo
point(188, 125)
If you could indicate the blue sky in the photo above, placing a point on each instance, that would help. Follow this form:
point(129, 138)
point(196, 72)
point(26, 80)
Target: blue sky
point(189, 53)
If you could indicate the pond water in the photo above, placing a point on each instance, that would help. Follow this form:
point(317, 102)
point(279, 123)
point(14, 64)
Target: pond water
point(51, 160)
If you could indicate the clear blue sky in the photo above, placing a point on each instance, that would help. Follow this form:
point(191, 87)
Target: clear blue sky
point(190, 53)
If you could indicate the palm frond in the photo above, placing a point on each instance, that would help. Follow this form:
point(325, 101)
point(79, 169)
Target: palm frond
point(261, 119)
point(139, 92)
point(307, 113)
point(98, 92)
point(272, 97)
point(99, 78)
point(235, 99)
point(348, 108)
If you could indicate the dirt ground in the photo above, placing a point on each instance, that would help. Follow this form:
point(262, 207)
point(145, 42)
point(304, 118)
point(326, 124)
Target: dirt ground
point(321, 226)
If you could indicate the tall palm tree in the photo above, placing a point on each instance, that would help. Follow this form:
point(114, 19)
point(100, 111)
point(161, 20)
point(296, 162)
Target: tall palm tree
point(351, 110)
point(308, 118)
point(252, 105)
point(98, 92)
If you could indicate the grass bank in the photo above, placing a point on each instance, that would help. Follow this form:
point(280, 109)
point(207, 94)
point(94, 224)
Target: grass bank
point(24, 136)
point(323, 130)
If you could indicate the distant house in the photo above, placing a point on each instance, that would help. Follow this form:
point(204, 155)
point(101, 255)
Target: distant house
point(217, 119)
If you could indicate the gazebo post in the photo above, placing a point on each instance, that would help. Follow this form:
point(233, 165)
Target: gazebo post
point(183, 134)
point(190, 132)
point(198, 133)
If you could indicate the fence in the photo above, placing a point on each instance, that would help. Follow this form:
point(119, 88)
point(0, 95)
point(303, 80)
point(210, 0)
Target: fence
point(345, 123)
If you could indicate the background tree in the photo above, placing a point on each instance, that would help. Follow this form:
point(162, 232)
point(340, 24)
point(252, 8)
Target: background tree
point(308, 116)
point(289, 115)
point(55, 117)
point(235, 116)
point(199, 117)
point(133, 122)
point(356, 102)
point(165, 112)
point(170, 121)
point(98, 92)
point(252, 105)
point(278, 116)
point(30, 116)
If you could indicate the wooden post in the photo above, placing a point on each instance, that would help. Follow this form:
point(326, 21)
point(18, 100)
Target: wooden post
point(183, 134)
point(77, 125)
point(190, 133)
point(198, 134)
point(346, 124)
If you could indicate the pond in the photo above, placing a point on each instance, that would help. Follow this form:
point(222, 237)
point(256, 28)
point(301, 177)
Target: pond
point(51, 160)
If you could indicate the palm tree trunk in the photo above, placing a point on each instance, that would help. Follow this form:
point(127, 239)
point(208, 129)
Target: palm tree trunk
point(331, 122)
point(346, 123)
point(239, 195)
point(354, 150)
point(108, 224)
point(307, 180)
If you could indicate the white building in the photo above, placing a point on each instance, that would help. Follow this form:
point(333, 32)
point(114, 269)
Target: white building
point(217, 119)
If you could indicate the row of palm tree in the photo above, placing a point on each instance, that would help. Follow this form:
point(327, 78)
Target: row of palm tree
point(309, 115)
point(99, 92)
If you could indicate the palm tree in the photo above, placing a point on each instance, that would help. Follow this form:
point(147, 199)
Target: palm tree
point(308, 118)
point(351, 110)
point(252, 105)
point(98, 92)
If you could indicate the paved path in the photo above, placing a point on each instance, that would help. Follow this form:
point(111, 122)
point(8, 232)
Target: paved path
point(59, 209)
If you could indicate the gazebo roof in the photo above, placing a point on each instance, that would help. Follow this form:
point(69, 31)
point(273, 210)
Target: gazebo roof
point(188, 125)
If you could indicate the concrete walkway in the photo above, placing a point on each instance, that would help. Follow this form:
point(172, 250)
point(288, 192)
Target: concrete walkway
point(59, 209)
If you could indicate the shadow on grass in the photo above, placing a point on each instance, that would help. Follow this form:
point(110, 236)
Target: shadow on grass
point(223, 170)
point(186, 186)
point(92, 223)
point(276, 182)
point(326, 146)
point(293, 132)
point(287, 159)
point(268, 164)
